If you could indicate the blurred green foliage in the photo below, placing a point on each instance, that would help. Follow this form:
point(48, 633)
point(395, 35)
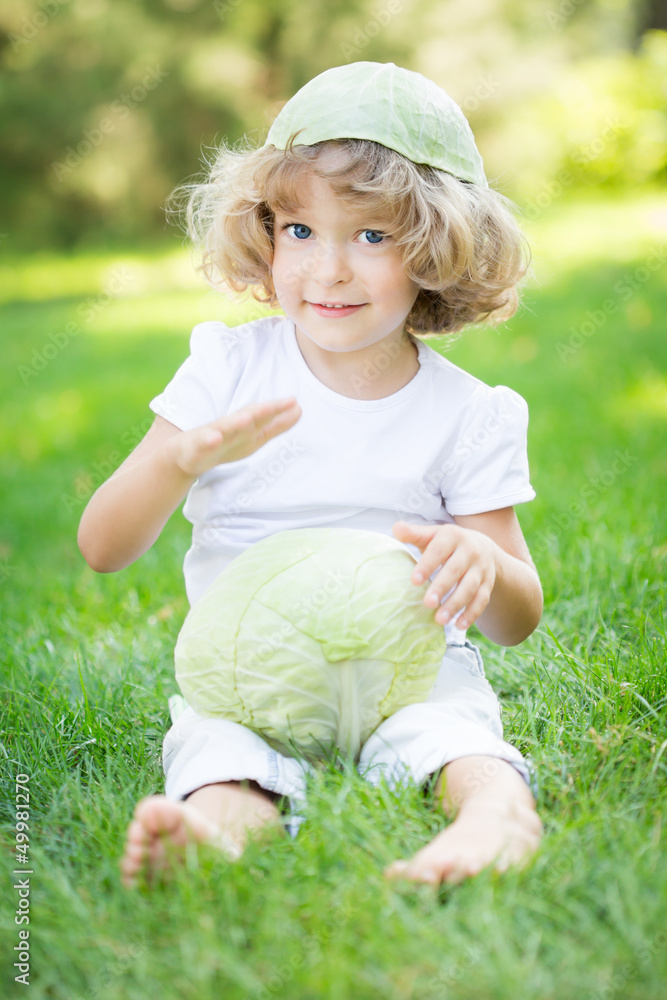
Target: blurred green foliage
point(106, 106)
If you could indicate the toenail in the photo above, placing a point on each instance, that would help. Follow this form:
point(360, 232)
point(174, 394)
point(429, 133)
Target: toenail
point(429, 875)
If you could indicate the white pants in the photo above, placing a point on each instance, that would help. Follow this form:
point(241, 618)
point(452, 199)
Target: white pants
point(461, 716)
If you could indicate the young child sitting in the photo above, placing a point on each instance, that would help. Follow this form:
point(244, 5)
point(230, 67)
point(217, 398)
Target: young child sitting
point(366, 216)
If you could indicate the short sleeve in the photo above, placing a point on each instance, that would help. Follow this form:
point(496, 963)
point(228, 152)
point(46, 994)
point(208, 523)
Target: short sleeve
point(202, 388)
point(488, 468)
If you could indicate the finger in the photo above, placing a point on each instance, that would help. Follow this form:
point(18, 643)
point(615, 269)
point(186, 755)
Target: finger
point(474, 608)
point(211, 437)
point(454, 569)
point(470, 597)
point(256, 414)
point(278, 425)
point(256, 427)
point(438, 552)
point(421, 536)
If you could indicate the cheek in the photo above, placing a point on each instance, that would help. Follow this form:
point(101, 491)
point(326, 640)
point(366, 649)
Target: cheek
point(398, 290)
point(283, 280)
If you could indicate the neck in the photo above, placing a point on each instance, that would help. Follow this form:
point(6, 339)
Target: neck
point(370, 373)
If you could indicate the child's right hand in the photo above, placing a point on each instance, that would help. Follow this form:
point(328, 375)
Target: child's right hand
point(234, 436)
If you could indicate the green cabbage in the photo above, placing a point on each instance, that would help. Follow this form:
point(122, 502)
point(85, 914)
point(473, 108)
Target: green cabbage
point(311, 637)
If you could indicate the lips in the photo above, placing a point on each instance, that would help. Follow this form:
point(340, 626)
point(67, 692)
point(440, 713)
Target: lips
point(335, 309)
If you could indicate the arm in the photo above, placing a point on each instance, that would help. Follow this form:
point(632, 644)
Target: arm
point(486, 558)
point(127, 513)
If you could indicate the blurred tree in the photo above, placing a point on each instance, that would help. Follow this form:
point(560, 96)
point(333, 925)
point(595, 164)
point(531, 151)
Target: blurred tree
point(105, 106)
point(655, 16)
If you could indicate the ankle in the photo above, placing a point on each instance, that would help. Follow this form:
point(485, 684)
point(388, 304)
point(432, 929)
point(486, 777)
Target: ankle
point(232, 807)
point(495, 803)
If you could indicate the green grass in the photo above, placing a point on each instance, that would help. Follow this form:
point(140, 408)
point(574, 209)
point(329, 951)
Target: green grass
point(87, 668)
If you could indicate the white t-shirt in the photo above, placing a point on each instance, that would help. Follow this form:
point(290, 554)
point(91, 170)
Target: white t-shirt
point(444, 444)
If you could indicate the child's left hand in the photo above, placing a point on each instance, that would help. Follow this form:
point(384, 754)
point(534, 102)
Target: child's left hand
point(469, 561)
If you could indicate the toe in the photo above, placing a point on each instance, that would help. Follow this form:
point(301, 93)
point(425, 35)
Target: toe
point(395, 869)
point(413, 872)
point(137, 834)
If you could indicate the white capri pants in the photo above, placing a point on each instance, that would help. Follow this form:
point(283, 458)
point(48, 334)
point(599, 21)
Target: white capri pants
point(461, 716)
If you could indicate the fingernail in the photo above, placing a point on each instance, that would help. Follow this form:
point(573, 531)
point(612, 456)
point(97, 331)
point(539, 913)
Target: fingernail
point(398, 866)
point(429, 875)
point(418, 578)
point(443, 616)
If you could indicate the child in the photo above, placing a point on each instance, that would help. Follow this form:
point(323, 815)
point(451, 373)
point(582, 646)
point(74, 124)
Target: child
point(367, 217)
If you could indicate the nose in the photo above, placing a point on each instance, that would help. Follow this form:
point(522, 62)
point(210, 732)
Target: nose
point(331, 264)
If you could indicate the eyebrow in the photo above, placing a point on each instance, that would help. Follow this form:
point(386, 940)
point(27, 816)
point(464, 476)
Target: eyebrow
point(292, 213)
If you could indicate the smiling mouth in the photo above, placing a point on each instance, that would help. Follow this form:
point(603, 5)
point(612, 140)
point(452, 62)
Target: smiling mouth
point(337, 305)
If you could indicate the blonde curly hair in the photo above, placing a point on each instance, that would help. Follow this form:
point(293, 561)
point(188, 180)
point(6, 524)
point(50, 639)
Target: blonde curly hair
point(459, 241)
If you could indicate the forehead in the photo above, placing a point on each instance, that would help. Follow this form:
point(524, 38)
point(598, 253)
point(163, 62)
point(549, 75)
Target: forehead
point(326, 182)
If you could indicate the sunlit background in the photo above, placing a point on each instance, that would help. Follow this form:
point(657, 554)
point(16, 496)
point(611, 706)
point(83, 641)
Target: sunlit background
point(107, 105)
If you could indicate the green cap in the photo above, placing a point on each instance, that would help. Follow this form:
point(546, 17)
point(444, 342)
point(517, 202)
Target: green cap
point(382, 102)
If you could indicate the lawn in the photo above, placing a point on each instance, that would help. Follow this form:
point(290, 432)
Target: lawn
point(87, 664)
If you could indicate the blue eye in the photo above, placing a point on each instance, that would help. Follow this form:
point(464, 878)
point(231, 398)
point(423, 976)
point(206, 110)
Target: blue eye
point(377, 233)
point(298, 228)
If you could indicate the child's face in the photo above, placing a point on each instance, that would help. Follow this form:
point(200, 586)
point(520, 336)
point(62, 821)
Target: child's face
point(330, 252)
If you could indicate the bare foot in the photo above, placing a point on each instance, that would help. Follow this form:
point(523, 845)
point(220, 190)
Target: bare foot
point(482, 834)
point(162, 829)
